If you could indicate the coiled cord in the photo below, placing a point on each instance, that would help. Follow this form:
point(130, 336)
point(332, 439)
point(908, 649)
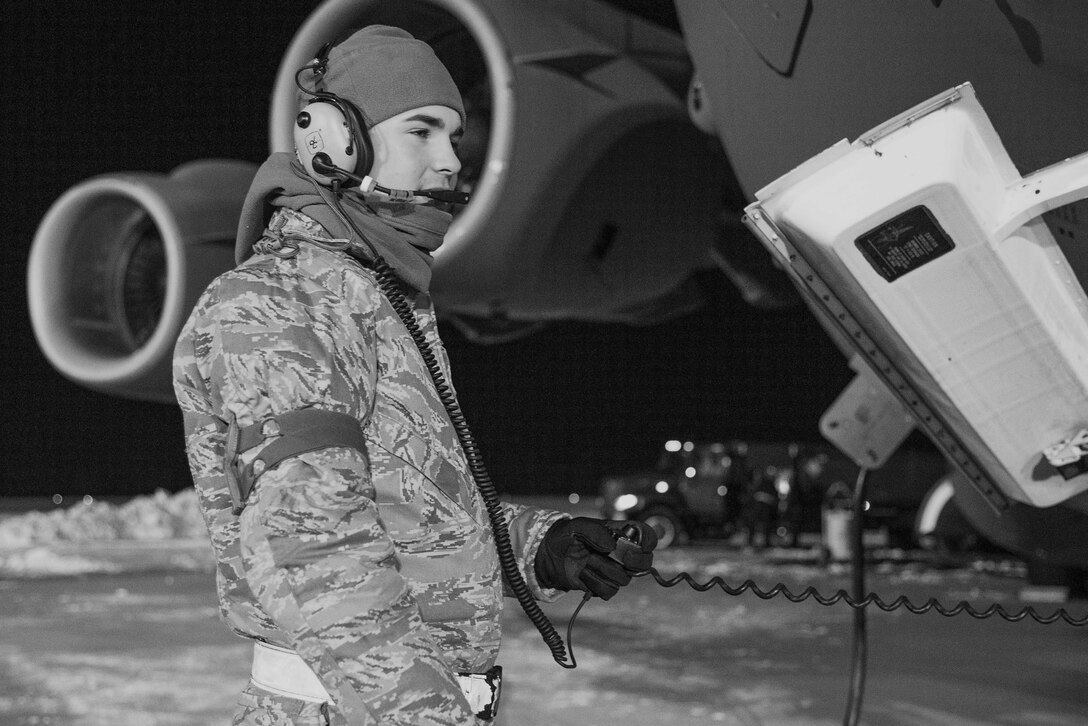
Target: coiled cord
point(931, 605)
point(857, 601)
point(390, 286)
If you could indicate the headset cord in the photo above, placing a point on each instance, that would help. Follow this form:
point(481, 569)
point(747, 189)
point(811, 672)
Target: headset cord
point(390, 287)
point(389, 284)
point(931, 605)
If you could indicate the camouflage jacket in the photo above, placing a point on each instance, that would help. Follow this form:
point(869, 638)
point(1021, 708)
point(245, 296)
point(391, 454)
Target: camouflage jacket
point(377, 567)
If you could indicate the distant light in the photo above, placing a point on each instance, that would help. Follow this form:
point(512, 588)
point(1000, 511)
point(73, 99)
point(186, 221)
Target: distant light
point(57, 499)
point(672, 445)
point(867, 505)
point(688, 446)
point(573, 498)
point(722, 490)
point(690, 472)
point(624, 502)
point(661, 487)
point(87, 499)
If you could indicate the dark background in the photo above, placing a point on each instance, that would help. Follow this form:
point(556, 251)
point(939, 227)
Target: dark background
point(125, 85)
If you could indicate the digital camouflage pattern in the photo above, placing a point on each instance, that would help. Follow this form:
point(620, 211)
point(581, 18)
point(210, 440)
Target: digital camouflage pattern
point(377, 567)
point(258, 708)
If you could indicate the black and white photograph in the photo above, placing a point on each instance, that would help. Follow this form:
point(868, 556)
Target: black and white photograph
point(545, 363)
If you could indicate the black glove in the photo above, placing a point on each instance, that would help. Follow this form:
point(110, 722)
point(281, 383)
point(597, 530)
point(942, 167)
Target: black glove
point(574, 555)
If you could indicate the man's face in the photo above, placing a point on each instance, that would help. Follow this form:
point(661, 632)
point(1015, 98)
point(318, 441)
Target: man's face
point(417, 149)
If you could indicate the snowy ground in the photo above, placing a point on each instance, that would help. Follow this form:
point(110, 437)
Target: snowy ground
point(120, 628)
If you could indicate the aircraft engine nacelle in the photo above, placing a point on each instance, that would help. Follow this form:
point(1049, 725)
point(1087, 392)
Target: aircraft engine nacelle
point(594, 196)
point(117, 264)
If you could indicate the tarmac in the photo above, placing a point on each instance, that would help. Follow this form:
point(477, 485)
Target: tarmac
point(122, 633)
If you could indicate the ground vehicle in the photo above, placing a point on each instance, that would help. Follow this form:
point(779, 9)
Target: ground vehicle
point(721, 488)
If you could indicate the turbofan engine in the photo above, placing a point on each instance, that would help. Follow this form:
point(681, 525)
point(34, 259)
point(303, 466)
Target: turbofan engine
point(119, 261)
point(594, 196)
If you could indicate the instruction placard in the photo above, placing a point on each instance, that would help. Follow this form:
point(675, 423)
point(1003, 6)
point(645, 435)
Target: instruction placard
point(904, 243)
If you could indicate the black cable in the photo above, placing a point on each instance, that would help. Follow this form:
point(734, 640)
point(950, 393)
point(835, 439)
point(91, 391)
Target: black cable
point(931, 605)
point(570, 631)
point(859, 657)
point(390, 287)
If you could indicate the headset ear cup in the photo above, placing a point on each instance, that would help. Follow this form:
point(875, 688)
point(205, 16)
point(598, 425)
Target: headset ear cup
point(335, 127)
point(322, 127)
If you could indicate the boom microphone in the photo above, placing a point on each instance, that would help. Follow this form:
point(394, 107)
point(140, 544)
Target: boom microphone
point(323, 164)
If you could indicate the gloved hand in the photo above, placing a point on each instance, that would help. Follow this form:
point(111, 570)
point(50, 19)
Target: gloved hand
point(574, 555)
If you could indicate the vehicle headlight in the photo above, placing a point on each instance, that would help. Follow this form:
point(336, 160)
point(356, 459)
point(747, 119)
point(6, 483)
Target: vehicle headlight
point(625, 502)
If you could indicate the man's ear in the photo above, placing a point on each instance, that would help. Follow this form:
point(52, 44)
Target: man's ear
point(380, 149)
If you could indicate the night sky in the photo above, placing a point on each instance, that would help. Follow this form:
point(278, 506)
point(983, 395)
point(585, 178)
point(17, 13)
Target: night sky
point(126, 86)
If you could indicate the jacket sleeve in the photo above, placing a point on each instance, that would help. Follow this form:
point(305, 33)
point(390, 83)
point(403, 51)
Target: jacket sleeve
point(528, 526)
point(314, 550)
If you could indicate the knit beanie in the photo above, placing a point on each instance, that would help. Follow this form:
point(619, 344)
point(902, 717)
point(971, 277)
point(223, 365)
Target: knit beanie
point(385, 71)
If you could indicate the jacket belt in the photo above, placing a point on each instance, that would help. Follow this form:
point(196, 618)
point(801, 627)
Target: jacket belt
point(283, 672)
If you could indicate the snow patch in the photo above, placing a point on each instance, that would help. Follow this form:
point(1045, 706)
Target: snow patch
point(158, 531)
point(160, 516)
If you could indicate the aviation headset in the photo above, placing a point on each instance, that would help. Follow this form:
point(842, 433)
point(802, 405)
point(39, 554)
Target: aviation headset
point(332, 126)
